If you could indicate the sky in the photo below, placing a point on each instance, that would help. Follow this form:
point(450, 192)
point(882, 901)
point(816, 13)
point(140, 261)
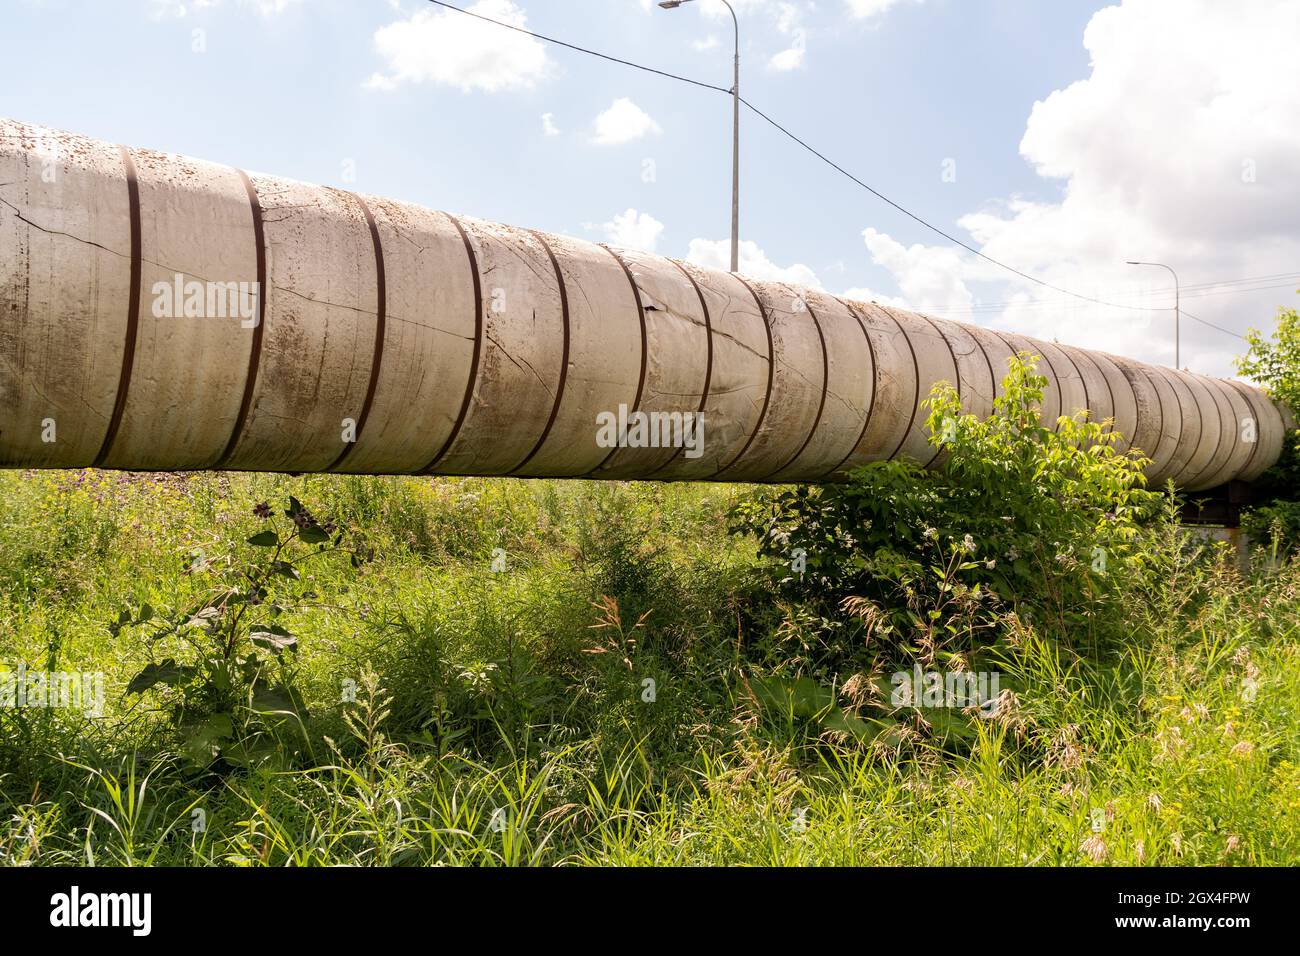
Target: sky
point(1061, 139)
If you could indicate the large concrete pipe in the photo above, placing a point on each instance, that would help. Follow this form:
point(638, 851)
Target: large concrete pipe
point(157, 312)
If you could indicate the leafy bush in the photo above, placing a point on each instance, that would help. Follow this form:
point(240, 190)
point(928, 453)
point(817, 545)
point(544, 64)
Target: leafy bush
point(1275, 364)
point(902, 563)
point(233, 690)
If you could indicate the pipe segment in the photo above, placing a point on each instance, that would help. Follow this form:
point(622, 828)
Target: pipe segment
point(164, 313)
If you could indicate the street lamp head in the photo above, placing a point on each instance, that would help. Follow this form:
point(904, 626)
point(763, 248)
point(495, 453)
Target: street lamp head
point(1132, 263)
point(671, 4)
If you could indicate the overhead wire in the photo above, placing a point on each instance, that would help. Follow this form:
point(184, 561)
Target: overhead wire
point(982, 307)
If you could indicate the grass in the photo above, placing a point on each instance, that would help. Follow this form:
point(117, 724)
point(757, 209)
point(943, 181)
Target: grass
point(593, 703)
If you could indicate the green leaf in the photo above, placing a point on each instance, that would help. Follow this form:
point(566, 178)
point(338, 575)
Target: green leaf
point(203, 740)
point(278, 700)
point(802, 697)
point(313, 534)
point(274, 639)
point(205, 618)
point(166, 672)
point(265, 539)
point(123, 619)
point(285, 569)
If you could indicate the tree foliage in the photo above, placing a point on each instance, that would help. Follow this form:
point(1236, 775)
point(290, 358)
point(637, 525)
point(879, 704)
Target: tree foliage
point(1274, 362)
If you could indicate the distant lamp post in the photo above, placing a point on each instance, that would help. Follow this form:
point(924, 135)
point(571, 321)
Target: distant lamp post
point(735, 135)
point(1177, 310)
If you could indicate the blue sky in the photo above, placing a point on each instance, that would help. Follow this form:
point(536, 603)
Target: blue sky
point(1174, 134)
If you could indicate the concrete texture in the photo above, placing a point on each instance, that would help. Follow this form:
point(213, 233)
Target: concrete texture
point(377, 337)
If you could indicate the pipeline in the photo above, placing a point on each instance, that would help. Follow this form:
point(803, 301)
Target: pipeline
point(162, 313)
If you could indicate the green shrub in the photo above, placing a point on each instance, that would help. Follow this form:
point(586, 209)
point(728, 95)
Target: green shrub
point(900, 563)
point(1275, 364)
point(225, 663)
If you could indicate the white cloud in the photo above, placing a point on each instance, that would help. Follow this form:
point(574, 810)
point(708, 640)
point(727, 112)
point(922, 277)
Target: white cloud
point(864, 294)
point(788, 17)
point(754, 262)
point(548, 125)
point(623, 122)
point(786, 60)
point(871, 9)
point(789, 23)
point(710, 42)
point(633, 230)
point(931, 278)
point(716, 10)
point(181, 8)
point(1155, 163)
point(449, 48)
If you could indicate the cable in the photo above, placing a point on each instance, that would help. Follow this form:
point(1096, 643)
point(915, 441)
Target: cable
point(996, 307)
point(1213, 326)
point(936, 229)
point(840, 169)
point(1198, 290)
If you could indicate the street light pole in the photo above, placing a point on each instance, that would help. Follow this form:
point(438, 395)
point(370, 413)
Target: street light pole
point(735, 134)
point(1177, 310)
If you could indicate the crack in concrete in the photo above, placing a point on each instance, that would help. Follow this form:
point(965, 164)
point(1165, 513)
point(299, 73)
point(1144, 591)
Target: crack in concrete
point(520, 364)
point(56, 232)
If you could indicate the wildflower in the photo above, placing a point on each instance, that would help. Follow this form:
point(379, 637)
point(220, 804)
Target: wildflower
point(1234, 842)
point(968, 544)
point(991, 563)
point(1243, 749)
point(1154, 802)
point(262, 510)
point(1094, 848)
point(859, 690)
point(931, 533)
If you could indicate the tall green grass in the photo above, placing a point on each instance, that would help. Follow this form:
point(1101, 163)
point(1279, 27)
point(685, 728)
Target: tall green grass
point(504, 717)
